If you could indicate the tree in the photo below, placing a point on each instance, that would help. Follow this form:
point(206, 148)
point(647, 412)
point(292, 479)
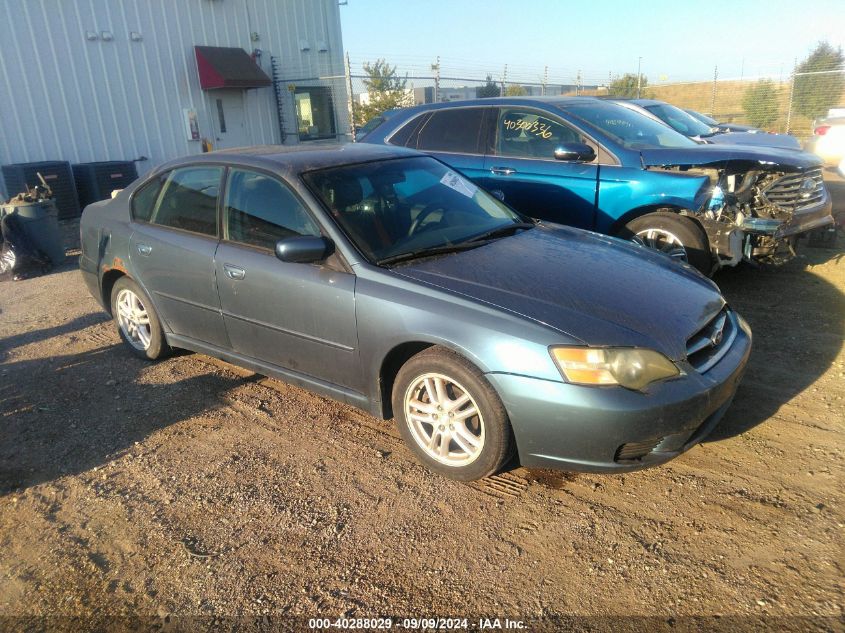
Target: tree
point(385, 91)
point(626, 86)
point(515, 91)
point(489, 89)
point(814, 94)
point(760, 103)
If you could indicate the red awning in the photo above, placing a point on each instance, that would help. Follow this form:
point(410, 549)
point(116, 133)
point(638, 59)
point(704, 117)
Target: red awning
point(221, 67)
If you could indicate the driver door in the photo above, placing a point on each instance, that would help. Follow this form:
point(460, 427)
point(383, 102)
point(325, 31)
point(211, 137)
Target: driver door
point(300, 317)
point(523, 167)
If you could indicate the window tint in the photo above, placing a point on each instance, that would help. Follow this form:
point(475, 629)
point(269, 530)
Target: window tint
point(260, 210)
point(189, 200)
point(144, 200)
point(452, 131)
point(407, 135)
point(528, 134)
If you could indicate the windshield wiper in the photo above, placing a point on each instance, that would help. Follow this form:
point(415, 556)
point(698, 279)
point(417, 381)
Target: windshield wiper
point(432, 250)
point(501, 231)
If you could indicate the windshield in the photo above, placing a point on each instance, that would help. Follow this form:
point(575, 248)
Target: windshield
point(703, 118)
point(679, 120)
point(396, 207)
point(632, 130)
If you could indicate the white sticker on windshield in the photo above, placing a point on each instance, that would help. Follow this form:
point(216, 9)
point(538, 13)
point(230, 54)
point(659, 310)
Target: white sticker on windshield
point(459, 184)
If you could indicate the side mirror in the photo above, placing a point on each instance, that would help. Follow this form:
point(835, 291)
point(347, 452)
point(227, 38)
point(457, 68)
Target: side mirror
point(304, 249)
point(498, 194)
point(577, 152)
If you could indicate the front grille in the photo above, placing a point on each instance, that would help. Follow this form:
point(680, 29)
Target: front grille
point(707, 346)
point(635, 451)
point(794, 192)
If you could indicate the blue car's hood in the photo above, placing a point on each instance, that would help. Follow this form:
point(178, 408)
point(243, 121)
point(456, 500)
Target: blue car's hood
point(759, 139)
point(598, 289)
point(743, 156)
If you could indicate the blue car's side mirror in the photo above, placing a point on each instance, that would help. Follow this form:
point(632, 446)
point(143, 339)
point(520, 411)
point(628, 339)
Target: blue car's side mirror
point(304, 249)
point(578, 152)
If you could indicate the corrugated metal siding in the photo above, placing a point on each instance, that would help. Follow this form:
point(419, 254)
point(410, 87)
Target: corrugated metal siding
point(67, 98)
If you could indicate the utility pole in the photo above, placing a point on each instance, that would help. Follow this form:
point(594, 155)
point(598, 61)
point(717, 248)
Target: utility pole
point(578, 84)
point(791, 95)
point(504, 79)
point(545, 80)
point(639, 76)
point(713, 98)
point(436, 68)
point(351, 99)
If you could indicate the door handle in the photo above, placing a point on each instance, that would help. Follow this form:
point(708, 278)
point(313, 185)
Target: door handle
point(503, 171)
point(145, 249)
point(234, 272)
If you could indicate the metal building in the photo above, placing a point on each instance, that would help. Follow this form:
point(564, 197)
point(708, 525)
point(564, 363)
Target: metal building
point(98, 80)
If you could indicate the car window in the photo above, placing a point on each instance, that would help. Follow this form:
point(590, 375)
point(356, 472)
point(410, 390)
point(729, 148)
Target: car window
point(679, 120)
point(407, 134)
point(261, 210)
point(452, 130)
point(143, 200)
point(526, 133)
point(632, 130)
point(397, 206)
point(189, 200)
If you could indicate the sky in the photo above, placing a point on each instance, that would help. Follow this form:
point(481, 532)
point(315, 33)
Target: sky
point(678, 40)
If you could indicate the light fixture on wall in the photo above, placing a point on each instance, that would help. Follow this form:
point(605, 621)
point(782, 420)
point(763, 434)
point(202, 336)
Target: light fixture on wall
point(322, 46)
point(254, 36)
point(135, 36)
point(91, 36)
point(304, 46)
point(106, 36)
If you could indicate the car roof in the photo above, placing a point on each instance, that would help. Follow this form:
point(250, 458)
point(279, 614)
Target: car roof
point(298, 158)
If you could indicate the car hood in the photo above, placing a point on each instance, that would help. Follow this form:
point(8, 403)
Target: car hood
point(760, 139)
point(742, 156)
point(597, 289)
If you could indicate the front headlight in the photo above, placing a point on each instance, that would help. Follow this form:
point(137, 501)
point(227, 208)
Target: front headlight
point(632, 368)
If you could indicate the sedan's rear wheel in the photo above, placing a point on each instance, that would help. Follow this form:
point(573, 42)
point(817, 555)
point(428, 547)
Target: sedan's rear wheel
point(137, 321)
point(674, 235)
point(451, 416)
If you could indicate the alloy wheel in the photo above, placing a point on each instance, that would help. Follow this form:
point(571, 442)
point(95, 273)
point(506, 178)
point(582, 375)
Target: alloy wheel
point(663, 241)
point(133, 319)
point(444, 419)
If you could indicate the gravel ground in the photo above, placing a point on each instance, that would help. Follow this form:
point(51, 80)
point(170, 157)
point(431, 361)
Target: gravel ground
point(191, 487)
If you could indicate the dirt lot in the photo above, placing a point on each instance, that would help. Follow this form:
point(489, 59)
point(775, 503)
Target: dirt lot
point(190, 487)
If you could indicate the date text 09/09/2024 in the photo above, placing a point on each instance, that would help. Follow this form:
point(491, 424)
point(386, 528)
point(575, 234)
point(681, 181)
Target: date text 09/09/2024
point(423, 624)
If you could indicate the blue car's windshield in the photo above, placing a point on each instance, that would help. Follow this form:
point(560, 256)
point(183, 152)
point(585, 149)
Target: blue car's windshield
point(679, 120)
point(630, 129)
point(397, 207)
point(703, 118)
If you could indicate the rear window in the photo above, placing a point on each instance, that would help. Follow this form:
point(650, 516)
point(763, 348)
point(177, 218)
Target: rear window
point(145, 198)
point(454, 130)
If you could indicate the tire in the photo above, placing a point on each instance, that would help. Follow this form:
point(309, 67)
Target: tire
point(667, 229)
point(146, 340)
point(476, 445)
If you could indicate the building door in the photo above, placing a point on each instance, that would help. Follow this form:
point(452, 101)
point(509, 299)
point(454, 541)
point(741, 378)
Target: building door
point(227, 114)
point(314, 113)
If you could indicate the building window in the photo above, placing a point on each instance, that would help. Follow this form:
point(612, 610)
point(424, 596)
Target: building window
point(314, 113)
point(220, 117)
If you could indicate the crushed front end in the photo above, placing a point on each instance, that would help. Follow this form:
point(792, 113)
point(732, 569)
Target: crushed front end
point(759, 214)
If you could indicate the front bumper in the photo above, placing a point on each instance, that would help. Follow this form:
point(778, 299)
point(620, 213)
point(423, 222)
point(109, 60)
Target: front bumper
point(802, 221)
point(571, 427)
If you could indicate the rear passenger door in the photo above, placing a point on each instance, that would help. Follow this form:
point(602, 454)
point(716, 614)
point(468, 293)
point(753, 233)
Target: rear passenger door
point(172, 247)
point(297, 316)
point(522, 166)
point(456, 136)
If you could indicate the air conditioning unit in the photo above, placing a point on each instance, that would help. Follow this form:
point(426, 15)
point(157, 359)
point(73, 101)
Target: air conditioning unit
point(58, 176)
point(96, 181)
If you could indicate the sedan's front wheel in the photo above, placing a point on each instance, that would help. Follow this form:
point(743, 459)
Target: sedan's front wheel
point(451, 416)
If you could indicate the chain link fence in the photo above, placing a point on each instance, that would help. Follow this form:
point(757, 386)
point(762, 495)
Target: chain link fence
point(790, 104)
